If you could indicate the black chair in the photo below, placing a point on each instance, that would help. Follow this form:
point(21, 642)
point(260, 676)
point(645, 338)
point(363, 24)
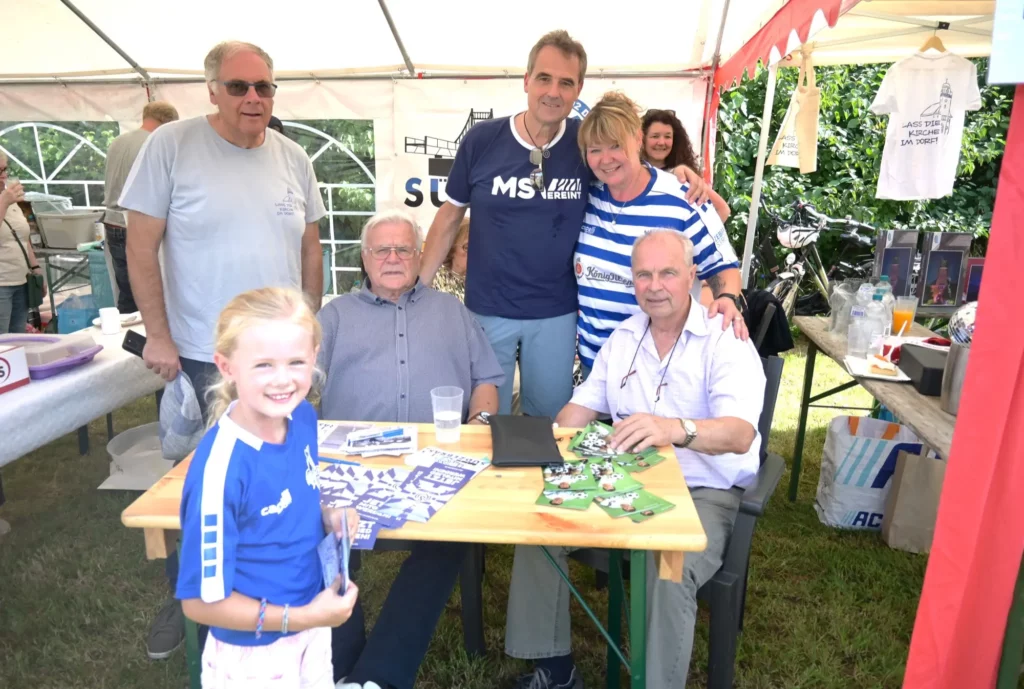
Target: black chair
point(726, 592)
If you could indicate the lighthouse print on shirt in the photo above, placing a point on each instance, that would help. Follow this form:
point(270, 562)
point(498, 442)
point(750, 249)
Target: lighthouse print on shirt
point(926, 96)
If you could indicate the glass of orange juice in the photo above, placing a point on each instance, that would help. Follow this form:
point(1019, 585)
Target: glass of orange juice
point(903, 314)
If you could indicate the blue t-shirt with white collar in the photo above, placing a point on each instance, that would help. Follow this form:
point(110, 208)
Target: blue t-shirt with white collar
point(251, 520)
point(520, 260)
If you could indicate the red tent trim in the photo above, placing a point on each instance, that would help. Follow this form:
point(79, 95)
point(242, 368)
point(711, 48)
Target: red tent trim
point(794, 15)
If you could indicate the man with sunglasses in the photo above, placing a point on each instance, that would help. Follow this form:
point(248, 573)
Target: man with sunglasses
point(232, 206)
point(667, 376)
point(384, 349)
point(527, 184)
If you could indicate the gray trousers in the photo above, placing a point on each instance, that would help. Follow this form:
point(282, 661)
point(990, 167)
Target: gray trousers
point(538, 601)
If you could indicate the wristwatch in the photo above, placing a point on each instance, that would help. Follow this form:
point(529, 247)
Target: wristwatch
point(733, 297)
point(691, 432)
point(482, 417)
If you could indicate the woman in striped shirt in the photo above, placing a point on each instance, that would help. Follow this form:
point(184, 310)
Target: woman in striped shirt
point(630, 199)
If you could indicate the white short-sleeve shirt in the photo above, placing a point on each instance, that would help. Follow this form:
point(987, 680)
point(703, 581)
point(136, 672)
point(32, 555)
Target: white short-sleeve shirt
point(712, 374)
point(235, 219)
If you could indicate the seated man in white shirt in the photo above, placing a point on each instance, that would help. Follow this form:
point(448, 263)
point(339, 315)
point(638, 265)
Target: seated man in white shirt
point(669, 375)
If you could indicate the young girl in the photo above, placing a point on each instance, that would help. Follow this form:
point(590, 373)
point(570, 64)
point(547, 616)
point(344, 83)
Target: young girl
point(250, 513)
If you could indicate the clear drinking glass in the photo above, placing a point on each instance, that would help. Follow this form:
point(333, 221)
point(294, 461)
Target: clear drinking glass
point(447, 403)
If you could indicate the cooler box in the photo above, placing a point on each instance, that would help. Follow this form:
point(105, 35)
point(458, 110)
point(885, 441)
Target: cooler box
point(67, 230)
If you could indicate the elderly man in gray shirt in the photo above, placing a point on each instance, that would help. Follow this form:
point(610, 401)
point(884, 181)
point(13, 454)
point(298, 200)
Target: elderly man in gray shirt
point(384, 349)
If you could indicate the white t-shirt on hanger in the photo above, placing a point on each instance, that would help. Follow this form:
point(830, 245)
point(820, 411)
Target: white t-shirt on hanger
point(925, 96)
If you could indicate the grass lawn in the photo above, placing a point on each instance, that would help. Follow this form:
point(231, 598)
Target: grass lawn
point(825, 609)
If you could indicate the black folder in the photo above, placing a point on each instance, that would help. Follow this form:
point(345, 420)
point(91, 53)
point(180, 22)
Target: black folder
point(523, 441)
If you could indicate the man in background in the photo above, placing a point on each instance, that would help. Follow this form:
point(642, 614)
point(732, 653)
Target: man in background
point(120, 157)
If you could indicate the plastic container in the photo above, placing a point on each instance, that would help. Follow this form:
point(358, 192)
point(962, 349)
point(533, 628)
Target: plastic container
point(136, 454)
point(99, 277)
point(48, 355)
point(857, 335)
point(67, 230)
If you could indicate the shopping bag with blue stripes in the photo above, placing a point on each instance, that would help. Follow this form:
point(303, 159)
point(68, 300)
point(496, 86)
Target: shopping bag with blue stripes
point(856, 468)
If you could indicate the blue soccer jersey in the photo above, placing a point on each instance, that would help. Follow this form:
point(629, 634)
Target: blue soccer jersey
point(251, 520)
point(520, 259)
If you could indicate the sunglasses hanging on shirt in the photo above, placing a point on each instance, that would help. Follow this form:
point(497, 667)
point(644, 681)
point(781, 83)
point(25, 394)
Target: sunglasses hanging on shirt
point(632, 370)
point(537, 156)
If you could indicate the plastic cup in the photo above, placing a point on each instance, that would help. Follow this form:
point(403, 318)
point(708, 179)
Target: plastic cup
point(447, 403)
point(110, 321)
point(903, 313)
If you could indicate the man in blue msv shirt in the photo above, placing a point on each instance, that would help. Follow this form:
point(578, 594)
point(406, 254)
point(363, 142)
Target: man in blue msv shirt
point(527, 183)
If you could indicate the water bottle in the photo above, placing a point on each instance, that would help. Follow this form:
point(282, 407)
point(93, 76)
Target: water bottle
point(857, 335)
point(876, 321)
point(864, 294)
point(888, 298)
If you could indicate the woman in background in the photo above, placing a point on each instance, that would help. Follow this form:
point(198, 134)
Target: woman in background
point(666, 145)
point(16, 256)
point(451, 277)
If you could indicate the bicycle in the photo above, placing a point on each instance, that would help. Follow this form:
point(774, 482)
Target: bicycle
point(799, 234)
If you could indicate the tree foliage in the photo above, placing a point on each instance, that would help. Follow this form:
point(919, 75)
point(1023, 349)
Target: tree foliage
point(850, 144)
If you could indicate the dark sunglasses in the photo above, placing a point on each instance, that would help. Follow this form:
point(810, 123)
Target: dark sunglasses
point(651, 113)
point(238, 88)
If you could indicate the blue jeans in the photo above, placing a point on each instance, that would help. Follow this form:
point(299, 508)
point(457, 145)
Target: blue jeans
point(13, 309)
point(398, 643)
point(546, 349)
point(203, 374)
point(116, 246)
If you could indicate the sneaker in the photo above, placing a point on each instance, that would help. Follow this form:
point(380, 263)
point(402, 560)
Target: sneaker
point(167, 632)
point(342, 684)
point(541, 679)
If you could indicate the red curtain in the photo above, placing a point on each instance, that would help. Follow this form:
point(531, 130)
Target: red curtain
point(979, 535)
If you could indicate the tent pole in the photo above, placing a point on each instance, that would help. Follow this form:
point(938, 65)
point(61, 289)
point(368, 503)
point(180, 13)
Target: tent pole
point(711, 85)
point(106, 39)
point(755, 195)
point(398, 39)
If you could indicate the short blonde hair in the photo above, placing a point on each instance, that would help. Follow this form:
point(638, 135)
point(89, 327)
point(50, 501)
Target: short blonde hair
point(240, 314)
point(614, 120)
point(460, 237)
point(566, 44)
point(225, 49)
point(161, 111)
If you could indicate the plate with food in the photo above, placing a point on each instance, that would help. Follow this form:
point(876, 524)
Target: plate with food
point(875, 366)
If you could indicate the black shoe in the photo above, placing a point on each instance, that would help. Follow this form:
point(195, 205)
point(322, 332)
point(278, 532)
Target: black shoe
point(541, 679)
point(167, 632)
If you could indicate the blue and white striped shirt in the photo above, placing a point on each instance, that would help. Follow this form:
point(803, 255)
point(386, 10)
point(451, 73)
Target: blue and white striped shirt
point(610, 228)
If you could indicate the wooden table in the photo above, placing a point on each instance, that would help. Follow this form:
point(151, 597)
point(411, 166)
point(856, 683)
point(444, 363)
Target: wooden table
point(498, 507)
point(921, 413)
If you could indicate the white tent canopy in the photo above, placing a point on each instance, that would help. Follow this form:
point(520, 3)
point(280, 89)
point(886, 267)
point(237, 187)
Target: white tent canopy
point(46, 39)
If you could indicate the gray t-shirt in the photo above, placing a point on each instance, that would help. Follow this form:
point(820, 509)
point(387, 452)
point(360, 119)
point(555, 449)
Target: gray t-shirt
point(235, 220)
point(120, 157)
point(383, 358)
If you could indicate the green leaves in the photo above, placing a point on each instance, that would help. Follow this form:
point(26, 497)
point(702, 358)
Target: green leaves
point(850, 143)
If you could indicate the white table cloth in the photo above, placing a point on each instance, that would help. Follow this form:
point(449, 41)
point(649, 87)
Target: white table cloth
point(47, 409)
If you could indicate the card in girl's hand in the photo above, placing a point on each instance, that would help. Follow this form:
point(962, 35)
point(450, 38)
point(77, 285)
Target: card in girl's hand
point(334, 555)
point(344, 549)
